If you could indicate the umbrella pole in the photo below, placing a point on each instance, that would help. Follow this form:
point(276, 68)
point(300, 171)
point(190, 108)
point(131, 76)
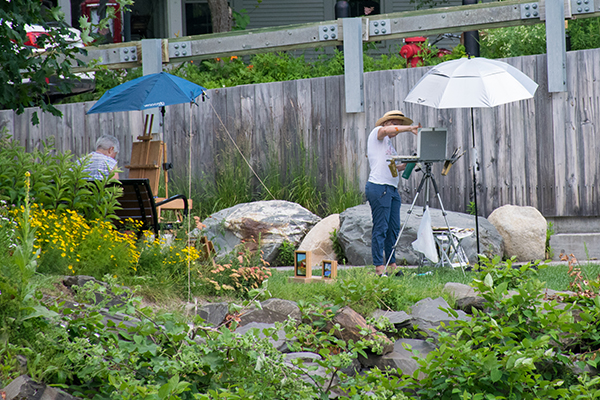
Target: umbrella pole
point(189, 218)
point(475, 163)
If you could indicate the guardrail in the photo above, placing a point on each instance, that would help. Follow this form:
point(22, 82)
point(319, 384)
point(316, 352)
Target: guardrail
point(331, 33)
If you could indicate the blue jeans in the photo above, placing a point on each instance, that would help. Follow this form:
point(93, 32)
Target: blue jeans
point(385, 211)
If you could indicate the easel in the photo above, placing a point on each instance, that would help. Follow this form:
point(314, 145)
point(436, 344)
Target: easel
point(146, 157)
point(427, 177)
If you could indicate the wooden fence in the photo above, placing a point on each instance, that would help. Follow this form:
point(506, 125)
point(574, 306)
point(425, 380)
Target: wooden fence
point(541, 152)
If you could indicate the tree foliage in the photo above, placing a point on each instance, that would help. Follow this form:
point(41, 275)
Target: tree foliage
point(25, 70)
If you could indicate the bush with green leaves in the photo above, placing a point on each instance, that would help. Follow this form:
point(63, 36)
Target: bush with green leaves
point(58, 181)
point(517, 349)
point(285, 254)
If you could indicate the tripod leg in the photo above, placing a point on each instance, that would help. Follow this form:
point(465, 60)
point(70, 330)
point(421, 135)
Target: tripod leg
point(452, 246)
point(408, 213)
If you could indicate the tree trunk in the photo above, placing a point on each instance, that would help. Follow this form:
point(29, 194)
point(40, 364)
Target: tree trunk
point(220, 15)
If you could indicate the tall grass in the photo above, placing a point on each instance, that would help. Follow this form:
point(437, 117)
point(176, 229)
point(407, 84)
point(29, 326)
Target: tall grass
point(296, 181)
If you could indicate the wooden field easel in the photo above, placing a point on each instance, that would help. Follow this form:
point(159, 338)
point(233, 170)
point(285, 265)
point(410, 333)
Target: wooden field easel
point(147, 155)
point(147, 158)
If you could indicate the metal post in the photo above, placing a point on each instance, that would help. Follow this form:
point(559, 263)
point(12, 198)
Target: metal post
point(151, 64)
point(353, 65)
point(471, 38)
point(556, 48)
point(342, 10)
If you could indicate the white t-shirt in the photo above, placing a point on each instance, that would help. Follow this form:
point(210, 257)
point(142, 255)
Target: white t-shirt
point(378, 151)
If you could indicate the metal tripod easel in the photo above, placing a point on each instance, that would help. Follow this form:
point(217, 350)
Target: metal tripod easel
point(425, 179)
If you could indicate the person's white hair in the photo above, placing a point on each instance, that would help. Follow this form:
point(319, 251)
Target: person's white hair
point(105, 142)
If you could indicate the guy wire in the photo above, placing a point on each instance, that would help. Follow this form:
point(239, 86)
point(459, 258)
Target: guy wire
point(240, 151)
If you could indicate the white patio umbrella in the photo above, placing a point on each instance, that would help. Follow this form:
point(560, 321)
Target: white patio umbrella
point(470, 83)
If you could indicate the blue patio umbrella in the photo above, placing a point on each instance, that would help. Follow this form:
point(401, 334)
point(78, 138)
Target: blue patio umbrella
point(149, 91)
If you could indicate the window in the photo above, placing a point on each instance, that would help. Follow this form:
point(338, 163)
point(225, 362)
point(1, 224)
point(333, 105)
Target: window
point(197, 18)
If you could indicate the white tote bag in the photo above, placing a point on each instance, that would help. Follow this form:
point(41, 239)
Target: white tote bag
point(425, 242)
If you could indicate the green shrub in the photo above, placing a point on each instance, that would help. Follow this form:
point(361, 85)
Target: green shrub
point(57, 181)
point(285, 254)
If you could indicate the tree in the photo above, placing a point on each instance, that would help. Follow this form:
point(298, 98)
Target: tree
point(220, 14)
point(25, 70)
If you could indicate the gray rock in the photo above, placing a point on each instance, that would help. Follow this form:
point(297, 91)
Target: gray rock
point(283, 307)
point(280, 344)
point(399, 319)
point(467, 304)
point(309, 361)
point(459, 290)
point(427, 315)
point(400, 358)
point(81, 280)
point(273, 310)
point(214, 313)
point(24, 388)
point(356, 225)
point(273, 221)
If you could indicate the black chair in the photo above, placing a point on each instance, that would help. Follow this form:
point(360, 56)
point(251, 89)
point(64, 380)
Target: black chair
point(137, 203)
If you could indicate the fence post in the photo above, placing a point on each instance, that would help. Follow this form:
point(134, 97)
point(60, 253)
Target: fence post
point(353, 65)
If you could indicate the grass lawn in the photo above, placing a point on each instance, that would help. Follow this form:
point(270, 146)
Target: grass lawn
point(361, 289)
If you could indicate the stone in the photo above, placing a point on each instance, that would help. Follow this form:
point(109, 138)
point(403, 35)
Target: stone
point(427, 314)
point(81, 280)
point(310, 368)
point(399, 319)
point(352, 323)
point(467, 304)
point(280, 344)
point(523, 229)
point(273, 310)
point(214, 313)
point(356, 224)
point(284, 307)
point(23, 387)
point(458, 290)
point(272, 221)
point(402, 357)
point(318, 240)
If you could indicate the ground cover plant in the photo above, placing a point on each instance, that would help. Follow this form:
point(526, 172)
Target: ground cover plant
point(91, 345)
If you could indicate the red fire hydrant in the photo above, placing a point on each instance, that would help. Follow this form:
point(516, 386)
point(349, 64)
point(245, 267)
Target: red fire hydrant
point(411, 50)
point(414, 47)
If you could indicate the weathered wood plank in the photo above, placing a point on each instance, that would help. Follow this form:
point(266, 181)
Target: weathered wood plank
point(540, 152)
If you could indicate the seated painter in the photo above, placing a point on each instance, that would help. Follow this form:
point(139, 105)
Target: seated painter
point(102, 161)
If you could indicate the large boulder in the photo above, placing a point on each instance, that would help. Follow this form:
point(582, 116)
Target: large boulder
point(356, 225)
point(273, 221)
point(523, 230)
point(318, 240)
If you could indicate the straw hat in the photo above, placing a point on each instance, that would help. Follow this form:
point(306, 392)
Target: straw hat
point(394, 114)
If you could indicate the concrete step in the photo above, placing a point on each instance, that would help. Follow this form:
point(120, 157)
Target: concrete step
point(584, 246)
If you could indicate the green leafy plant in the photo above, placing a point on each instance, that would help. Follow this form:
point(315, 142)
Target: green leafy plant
point(285, 254)
point(513, 41)
point(549, 233)
point(337, 247)
point(584, 33)
point(57, 181)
